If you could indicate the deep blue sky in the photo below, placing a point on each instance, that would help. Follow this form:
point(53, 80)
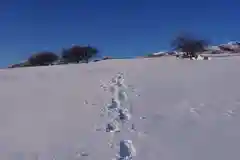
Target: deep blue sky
point(119, 28)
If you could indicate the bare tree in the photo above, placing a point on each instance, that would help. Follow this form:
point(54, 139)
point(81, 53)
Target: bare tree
point(42, 58)
point(189, 45)
point(79, 53)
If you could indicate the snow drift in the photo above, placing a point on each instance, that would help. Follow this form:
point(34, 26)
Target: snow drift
point(177, 110)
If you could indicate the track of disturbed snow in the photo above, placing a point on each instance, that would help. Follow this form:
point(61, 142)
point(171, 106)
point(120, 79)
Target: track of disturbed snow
point(122, 109)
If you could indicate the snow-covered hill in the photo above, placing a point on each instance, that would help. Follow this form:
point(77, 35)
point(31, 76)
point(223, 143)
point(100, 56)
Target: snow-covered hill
point(178, 110)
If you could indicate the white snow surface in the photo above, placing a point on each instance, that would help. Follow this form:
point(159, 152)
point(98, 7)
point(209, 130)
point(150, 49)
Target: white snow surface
point(181, 110)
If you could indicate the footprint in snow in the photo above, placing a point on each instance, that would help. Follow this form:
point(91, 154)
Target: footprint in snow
point(126, 151)
point(112, 127)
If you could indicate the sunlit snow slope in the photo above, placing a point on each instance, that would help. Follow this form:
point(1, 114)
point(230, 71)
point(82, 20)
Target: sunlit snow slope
point(181, 110)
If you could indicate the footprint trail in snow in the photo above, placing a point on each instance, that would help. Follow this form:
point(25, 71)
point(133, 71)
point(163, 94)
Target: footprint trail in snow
point(118, 113)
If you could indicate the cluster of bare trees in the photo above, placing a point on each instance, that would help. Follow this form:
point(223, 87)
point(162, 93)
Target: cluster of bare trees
point(185, 43)
point(75, 54)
